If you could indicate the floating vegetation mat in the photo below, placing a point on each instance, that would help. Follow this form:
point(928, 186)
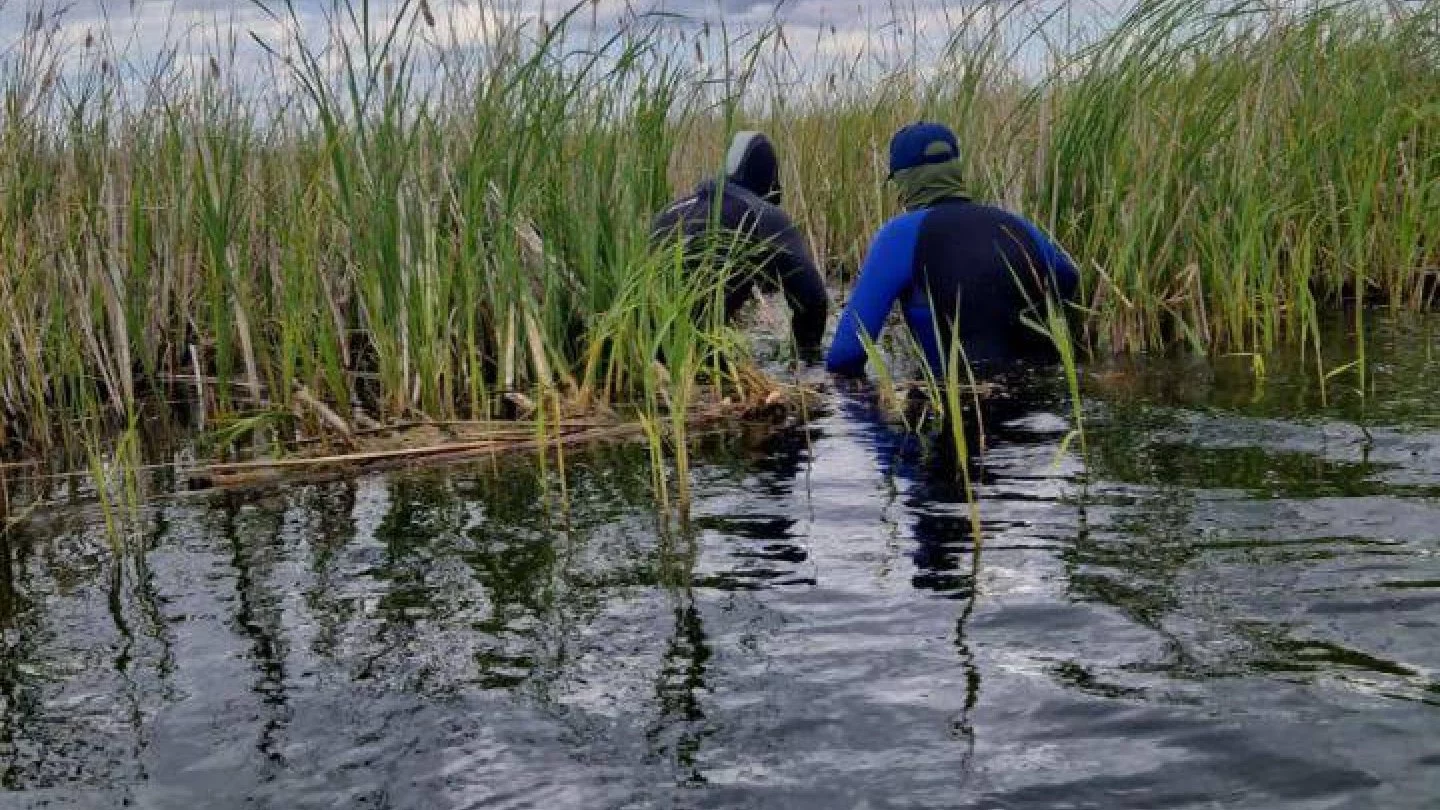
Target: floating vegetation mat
point(356, 451)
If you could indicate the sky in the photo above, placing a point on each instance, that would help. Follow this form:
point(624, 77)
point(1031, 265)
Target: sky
point(134, 34)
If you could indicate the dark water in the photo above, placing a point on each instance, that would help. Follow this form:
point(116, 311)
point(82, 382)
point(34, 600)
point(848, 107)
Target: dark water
point(1234, 602)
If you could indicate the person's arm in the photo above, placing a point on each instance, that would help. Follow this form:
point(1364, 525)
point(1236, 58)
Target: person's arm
point(888, 269)
point(793, 268)
point(1063, 273)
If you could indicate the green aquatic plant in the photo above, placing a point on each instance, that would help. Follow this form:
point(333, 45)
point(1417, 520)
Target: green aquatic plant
point(955, 363)
point(1056, 324)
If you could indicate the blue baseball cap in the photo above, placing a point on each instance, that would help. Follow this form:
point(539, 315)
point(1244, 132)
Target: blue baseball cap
point(921, 143)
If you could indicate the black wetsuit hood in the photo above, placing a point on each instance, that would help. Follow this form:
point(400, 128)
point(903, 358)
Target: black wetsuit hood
point(752, 164)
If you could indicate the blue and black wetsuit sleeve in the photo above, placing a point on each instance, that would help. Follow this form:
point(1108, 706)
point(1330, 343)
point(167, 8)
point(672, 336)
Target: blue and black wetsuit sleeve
point(793, 269)
point(888, 271)
point(1062, 271)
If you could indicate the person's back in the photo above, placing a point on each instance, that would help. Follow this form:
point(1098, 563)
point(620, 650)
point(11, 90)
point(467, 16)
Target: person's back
point(955, 266)
point(993, 267)
point(738, 223)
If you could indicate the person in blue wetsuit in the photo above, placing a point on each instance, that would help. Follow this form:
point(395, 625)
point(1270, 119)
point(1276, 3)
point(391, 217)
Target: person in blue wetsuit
point(956, 267)
point(738, 222)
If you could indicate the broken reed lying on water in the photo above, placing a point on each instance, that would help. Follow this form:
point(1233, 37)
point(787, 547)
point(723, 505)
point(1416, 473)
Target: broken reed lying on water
point(423, 229)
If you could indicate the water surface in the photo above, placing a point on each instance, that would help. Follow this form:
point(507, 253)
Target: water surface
point(1230, 601)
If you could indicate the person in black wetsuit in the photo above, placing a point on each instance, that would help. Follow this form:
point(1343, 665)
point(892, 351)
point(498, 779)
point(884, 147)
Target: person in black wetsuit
point(748, 231)
point(956, 267)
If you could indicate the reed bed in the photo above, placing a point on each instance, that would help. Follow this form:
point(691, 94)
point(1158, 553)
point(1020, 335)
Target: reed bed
point(398, 229)
point(1224, 172)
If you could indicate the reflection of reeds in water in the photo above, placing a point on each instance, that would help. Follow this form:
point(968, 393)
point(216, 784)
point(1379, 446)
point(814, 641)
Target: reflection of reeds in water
point(7, 576)
point(388, 243)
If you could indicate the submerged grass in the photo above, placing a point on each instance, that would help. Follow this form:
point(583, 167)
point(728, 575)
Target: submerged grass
point(402, 228)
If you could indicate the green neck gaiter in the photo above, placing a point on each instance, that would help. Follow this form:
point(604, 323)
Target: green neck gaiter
point(928, 183)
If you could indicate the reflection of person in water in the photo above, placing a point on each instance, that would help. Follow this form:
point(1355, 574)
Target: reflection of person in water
point(766, 548)
point(945, 552)
point(928, 462)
